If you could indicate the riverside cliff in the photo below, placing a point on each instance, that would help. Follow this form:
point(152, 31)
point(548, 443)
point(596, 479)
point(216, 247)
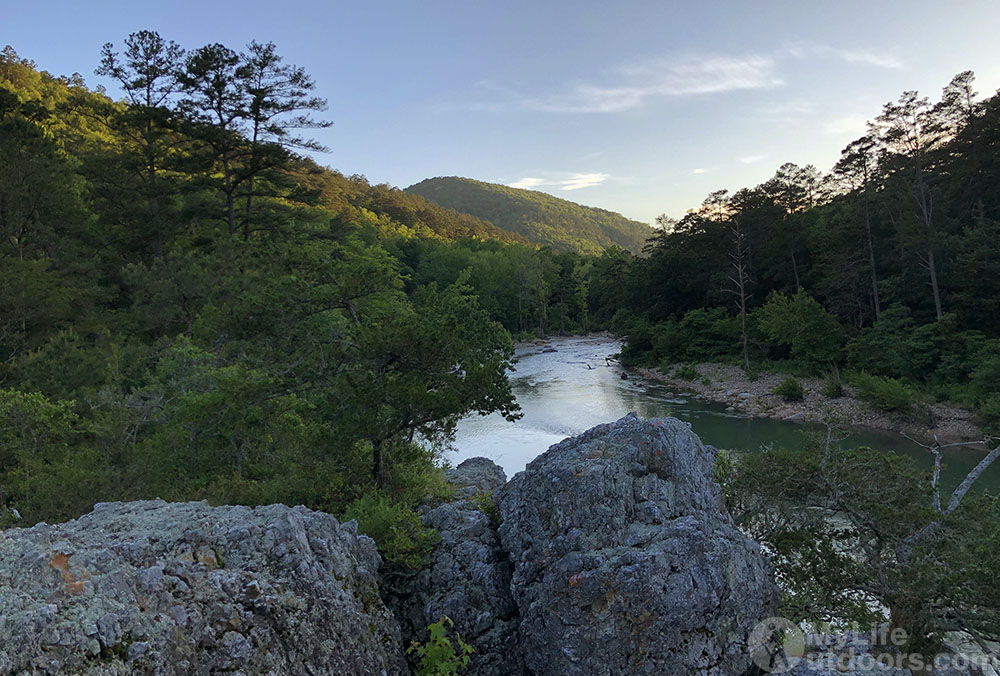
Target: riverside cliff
point(612, 554)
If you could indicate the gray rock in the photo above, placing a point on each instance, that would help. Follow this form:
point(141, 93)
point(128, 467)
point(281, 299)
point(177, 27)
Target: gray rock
point(165, 589)
point(468, 579)
point(625, 559)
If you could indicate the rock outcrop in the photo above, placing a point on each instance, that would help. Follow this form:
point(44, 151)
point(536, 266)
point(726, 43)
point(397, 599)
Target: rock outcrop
point(625, 560)
point(158, 588)
point(468, 579)
point(611, 554)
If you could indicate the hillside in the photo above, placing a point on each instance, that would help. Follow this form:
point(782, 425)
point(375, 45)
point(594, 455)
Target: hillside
point(393, 211)
point(537, 216)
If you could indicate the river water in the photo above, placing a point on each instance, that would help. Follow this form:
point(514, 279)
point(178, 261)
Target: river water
point(571, 389)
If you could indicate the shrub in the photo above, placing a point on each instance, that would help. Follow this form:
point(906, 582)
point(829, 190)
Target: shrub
point(438, 656)
point(790, 389)
point(885, 393)
point(833, 384)
point(402, 539)
point(686, 372)
point(811, 334)
point(989, 409)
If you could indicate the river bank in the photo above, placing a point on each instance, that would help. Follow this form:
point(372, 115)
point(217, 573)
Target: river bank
point(728, 384)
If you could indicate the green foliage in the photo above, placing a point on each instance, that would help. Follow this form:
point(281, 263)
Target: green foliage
point(790, 389)
point(686, 372)
point(438, 656)
point(403, 541)
point(487, 504)
point(836, 528)
point(801, 325)
point(989, 409)
point(833, 384)
point(887, 394)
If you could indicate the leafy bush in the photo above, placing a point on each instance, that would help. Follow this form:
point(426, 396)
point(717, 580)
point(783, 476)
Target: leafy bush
point(700, 335)
point(790, 389)
point(989, 409)
point(833, 384)
point(887, 394)
point(686, 372)
point(801, 325)
point(438, 656)
point(402, 539)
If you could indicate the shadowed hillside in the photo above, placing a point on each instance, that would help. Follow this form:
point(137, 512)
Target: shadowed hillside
point(537, 216)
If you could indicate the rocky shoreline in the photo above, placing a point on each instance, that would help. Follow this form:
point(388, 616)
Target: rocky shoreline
point(728, 384)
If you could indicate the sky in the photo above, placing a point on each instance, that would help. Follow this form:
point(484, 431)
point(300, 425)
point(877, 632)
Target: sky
point(640, 107)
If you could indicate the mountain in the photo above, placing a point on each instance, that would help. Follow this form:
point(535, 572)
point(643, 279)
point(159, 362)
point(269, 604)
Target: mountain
point(537, 216)
point(392, 211)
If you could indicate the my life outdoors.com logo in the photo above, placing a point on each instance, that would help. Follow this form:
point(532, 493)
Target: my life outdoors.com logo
point(777, 646)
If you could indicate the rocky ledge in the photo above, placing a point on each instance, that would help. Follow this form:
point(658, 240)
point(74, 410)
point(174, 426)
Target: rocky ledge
point(164, 589)
point(612, 553)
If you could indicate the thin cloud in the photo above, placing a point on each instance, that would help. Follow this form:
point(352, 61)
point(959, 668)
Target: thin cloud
point(753, 159)
point(699, 171)
point(527, 183)
point(633, 85)
point(578, 181)
point(862, 56)
point(657, 79)
point(567, 182)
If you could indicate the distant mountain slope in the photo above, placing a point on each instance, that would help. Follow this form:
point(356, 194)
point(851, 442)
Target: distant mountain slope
point(392, 211)
point(536, 216)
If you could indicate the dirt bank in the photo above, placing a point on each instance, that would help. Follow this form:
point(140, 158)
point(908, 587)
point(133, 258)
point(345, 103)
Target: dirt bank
point(728, 384)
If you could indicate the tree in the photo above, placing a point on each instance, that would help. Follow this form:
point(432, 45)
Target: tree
point(799, 323)
point(908, 130)
point(276, 93)
point(421, 368)
point(851, 530)
point(149, 72)
point(794, 189)
point(216, 100)
point(858, 162)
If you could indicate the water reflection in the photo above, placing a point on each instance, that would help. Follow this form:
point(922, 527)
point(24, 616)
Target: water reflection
point(573, 388)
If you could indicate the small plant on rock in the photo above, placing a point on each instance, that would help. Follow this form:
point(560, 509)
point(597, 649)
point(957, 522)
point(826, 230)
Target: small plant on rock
point(438, 656)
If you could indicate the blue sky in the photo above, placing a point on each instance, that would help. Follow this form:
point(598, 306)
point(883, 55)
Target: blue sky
point(638, 107)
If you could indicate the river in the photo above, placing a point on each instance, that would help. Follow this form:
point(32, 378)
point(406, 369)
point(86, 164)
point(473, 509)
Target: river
point(571, 389)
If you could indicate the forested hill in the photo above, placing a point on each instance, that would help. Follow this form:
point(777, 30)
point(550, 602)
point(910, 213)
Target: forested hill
point(537, 216)
point(393, 211)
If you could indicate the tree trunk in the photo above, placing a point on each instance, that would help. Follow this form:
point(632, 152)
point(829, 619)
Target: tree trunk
point(932, 268)
point(377, 463)
point(871, 260)
point(230, 202)
point(246, 222)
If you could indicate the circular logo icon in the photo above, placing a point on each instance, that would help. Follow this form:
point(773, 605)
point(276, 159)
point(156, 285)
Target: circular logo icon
point(776, 645)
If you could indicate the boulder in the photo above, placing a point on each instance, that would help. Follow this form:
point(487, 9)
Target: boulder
point(468, 579)
point(625, 560)
point(185, 588)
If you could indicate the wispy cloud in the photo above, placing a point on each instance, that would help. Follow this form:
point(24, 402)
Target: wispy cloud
point(577, 181)
point(753, 159)
point(660, 78)
point(630, 86)
point(862, 56)
point(527, 183)
point(699, 171)
point(566, 182)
